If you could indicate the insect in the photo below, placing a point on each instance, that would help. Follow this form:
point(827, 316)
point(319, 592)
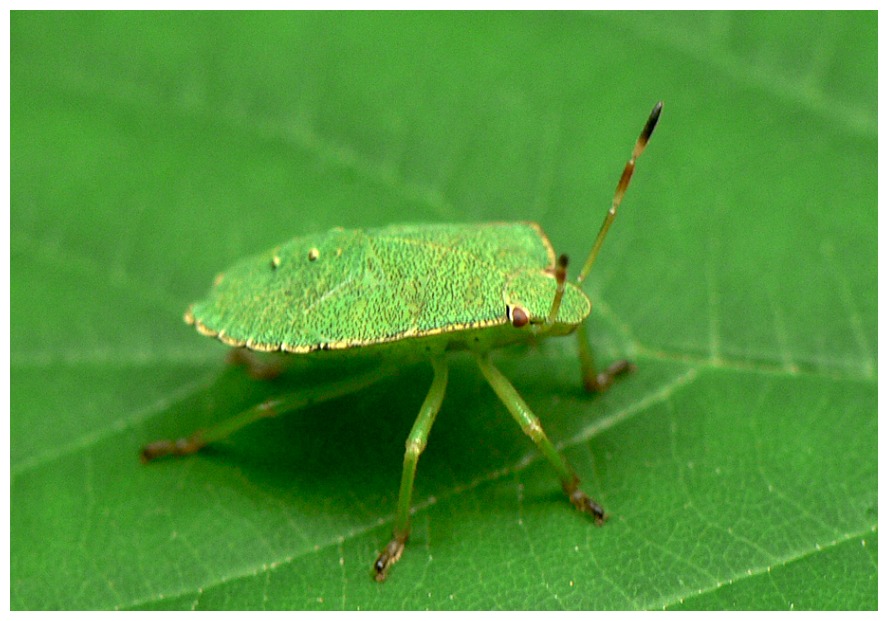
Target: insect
point(404, 292)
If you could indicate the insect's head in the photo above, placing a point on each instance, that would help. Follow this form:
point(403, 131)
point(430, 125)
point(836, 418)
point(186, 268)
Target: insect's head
point(531, 303)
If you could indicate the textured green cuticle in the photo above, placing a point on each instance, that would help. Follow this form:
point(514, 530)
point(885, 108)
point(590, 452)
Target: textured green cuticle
point(351, 288)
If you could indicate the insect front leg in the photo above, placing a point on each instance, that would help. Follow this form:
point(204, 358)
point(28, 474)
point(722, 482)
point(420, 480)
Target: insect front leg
point(530, 424)
point(416, 443)
point(593, 381)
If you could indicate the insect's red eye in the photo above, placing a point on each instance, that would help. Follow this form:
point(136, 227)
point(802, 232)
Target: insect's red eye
point(518, 316)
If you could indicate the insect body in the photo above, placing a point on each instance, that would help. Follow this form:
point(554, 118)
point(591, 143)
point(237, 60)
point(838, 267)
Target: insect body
point(449, 285)
point(408, 291)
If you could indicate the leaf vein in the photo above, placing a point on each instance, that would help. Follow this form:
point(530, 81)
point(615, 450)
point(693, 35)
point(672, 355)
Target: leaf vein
point(758, 571)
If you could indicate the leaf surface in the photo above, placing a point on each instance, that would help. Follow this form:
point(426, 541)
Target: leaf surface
point(738, 465)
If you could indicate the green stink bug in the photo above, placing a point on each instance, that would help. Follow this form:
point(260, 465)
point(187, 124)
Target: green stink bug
point(414, 291)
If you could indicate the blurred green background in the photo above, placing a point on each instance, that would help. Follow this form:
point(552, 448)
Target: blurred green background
point(149, 150)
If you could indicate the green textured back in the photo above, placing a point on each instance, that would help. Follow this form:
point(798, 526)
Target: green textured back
point(352, 288)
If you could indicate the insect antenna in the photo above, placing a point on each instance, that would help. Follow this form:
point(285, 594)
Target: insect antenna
point(640, 144)
point(560, 277)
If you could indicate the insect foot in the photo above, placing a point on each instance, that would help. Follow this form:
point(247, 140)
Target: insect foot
point(389, 557)
point(175, 448)
point(602, 381)
point(581, 501)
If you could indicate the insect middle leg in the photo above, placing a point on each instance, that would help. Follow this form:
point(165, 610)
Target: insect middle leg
point(416, 443)
point(593, 381)
point(530, 424)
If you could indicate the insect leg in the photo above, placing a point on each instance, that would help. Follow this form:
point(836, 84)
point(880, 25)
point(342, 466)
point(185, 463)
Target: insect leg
point(593, 381)
point(416, 442)
point(560, 277)
point(530, 424)
point(266, 409)
point(257, 368)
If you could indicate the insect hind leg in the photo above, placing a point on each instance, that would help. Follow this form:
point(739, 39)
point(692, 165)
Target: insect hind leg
point(261, 368)
point(267, 409)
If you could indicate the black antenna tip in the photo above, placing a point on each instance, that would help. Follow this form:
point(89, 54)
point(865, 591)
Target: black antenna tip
point(652, 122)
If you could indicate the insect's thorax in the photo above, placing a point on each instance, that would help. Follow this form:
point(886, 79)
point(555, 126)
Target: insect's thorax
point(346, 289)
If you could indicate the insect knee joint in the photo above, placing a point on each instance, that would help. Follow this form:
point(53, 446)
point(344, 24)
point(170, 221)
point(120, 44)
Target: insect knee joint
point(414, 449)
point(268, 409)
point(534, 430)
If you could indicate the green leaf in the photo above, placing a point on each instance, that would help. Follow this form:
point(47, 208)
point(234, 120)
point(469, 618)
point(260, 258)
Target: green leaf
point(738, 464)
